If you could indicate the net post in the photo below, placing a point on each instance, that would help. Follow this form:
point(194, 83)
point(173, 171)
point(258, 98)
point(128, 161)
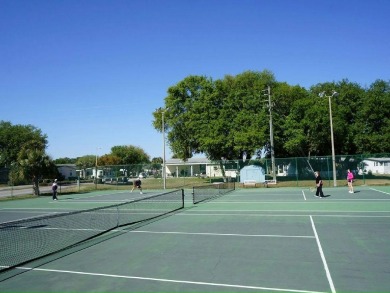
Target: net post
point(193, 194)
point(182, 196)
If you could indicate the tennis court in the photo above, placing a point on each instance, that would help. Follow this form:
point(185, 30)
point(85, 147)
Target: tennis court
point(248, 240)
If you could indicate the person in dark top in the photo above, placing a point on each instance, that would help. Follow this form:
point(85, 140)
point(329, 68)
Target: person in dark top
point(54, 189)
point(319, 192)
point(137, 184)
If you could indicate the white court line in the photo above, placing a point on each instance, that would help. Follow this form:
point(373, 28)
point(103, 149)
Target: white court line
point(271, 194)
point(287, 215)
point(222, 234)
point(316, 201)
point(304, 196)
point(169, 280)
point(323, 257)
point(24, 209)
point(31, 211)
point(379, 191)
point(86, 202)
point(190, 212)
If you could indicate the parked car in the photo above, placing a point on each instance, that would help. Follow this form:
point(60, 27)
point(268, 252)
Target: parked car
point(107, 180)
point(202, 175)
point(142, 175)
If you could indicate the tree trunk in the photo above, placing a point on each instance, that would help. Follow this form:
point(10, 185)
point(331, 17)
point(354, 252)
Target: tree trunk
point(221, 164)
point(36, 186)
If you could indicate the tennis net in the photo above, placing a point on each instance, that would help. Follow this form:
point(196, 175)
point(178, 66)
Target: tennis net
point(211, 191)
point(26, 240)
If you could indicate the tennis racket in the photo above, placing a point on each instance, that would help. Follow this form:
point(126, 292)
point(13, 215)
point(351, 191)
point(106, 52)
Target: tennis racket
point(312, 189)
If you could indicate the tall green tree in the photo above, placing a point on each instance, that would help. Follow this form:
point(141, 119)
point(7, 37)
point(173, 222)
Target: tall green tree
point(225, 117)
point(129, 154)
point(87, 161)
point(289, 104)
point(14, 137)
point(345, 105)
point(372, 127)
point(157, 160)
point(221, 118)
point(65, 160)
point(109, 159)
point(307, 126)
point(244, 113)
point(33, 163)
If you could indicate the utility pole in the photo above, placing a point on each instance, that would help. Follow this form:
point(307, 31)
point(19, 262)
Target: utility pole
point(271, 133)
point(334, 94)
point(164, 160)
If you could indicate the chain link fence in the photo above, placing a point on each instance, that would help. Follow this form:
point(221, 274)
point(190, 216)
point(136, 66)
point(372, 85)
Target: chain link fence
point(369, 169)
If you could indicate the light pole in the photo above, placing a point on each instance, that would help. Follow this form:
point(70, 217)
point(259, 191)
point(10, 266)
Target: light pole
point(334, 94)
point(271, 133)
point(163, 132)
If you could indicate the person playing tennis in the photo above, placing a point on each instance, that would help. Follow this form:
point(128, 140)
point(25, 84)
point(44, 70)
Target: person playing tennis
point(350, 178)
point(319, 183)
point(137, 184)
point(54, 189)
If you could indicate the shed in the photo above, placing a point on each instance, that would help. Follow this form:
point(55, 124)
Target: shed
point(252, 173)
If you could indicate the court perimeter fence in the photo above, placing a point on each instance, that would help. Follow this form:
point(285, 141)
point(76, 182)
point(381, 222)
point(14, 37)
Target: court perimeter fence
point(295, 171)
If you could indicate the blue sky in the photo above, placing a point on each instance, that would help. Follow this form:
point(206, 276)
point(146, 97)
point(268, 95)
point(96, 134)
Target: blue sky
point(89, 73)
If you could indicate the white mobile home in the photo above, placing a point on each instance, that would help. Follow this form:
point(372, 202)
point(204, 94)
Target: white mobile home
point(67, 170)
point(197, 167)
point(377, 165)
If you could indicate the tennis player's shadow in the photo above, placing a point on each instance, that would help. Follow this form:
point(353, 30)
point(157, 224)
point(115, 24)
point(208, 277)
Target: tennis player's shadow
point(327, 195)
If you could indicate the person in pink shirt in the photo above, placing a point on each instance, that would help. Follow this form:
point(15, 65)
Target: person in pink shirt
point(350, 181)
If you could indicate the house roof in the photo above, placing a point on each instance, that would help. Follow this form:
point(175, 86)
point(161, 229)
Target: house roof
point(378, 159)
point(191, 161)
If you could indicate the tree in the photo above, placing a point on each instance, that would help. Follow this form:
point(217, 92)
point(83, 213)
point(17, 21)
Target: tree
point(12, 139)
point(307, 126)
point(129, 154)
point(158, 160)
point(289, 104)
point(87, 161)
point(240, 121)
point(107, 160)
point(220, 118)
point(225, 117)
point(180, 117)
point(33, 164)
point(346, 106)
point(156, 165)
point(65, 160)
point(372, 127)
point(299, 129)
point(22, 147)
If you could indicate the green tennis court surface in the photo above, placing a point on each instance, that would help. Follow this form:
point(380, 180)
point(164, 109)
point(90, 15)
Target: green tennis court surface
point(248, 240)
